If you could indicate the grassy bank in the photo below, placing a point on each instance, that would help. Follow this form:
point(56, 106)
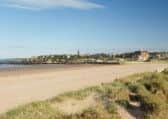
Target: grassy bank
point(150, 90)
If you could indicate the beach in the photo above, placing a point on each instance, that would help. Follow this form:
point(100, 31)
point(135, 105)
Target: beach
point(27, 84)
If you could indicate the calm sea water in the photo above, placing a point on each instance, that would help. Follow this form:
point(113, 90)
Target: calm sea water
point(9, 67)
point(6, 66)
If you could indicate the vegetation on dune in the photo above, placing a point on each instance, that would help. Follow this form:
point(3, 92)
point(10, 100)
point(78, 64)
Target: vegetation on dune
point(38, 110)
point(148, 89)
point(152, 93)
point(79, 95)
point(97, 112)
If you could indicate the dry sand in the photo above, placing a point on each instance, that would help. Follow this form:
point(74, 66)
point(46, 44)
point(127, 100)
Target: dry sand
point(33, 85)
point(73, 106)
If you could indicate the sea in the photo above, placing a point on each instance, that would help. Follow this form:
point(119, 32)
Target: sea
point(7, 66)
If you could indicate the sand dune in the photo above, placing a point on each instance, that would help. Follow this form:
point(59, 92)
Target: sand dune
point(33, 85)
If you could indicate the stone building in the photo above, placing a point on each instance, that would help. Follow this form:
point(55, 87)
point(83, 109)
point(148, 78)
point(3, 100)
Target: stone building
point(142, 55)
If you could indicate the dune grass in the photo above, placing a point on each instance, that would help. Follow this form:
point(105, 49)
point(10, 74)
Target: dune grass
point(151, 90)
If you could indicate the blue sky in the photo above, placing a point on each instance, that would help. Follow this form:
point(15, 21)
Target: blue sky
point(35, 27)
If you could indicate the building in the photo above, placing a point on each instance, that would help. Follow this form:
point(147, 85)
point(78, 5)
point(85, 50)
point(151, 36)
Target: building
point(134, 56)
point(142, 55)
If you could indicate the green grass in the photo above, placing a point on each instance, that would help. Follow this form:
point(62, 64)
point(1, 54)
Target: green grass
point(79, 95)
point(38, 110)
point(151, 91)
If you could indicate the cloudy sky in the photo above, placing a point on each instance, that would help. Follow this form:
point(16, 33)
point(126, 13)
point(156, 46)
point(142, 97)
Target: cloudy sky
point(35, 27)
point(48, 4)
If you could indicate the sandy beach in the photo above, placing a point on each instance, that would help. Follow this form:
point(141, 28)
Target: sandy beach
point(25, 85)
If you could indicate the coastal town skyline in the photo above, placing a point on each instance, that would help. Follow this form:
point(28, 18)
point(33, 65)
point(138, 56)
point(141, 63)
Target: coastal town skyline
point(33, 28)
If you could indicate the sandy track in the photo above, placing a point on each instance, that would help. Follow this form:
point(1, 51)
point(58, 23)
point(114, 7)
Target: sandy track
point(24, 88)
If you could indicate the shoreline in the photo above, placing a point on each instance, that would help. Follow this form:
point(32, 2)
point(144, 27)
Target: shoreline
point(40, 68)
point(26, 87)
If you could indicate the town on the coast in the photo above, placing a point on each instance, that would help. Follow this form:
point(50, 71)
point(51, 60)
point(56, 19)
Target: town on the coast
point(98, 58)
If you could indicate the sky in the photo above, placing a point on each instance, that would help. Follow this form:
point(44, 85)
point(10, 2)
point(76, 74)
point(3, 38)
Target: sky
point(37, 27)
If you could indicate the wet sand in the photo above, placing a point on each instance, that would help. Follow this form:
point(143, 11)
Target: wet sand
point(34, 69)
point(23, 85)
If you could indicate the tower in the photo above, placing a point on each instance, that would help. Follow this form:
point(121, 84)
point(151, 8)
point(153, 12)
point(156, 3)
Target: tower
point(78, 53)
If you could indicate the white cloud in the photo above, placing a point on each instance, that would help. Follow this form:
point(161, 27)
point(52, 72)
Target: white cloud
point(45, 4)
